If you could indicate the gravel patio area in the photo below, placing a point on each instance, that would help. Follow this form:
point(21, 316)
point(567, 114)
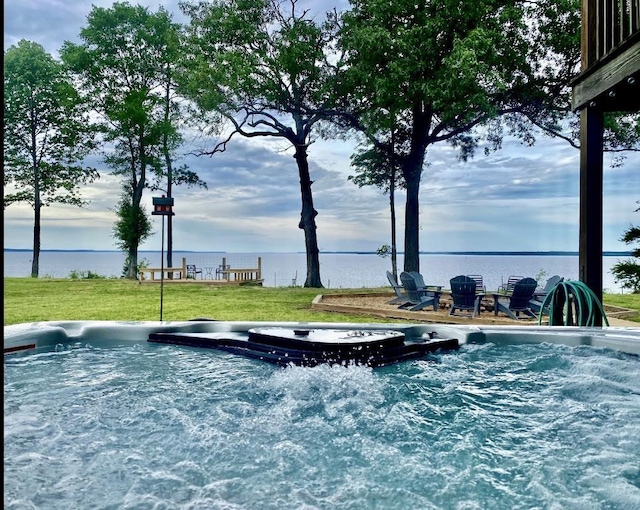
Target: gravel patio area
point(376, 304)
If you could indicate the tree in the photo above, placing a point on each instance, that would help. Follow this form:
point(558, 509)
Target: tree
point(450, 67)
point(122, 66)
point(175, 114)
point(131, 228)
point(47, 134)
point(375, 167)
point(628, 271)
point(270, 72)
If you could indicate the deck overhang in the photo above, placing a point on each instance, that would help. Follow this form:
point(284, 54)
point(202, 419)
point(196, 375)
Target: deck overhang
point(613, 84)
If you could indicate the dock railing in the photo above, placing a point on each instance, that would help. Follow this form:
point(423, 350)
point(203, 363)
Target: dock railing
point(224, 272)
point(152, 271)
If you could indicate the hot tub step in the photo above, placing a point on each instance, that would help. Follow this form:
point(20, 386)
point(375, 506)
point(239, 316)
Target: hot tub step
point(285, 346)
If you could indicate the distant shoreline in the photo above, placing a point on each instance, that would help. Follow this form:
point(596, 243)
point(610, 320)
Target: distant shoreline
point(480, 253)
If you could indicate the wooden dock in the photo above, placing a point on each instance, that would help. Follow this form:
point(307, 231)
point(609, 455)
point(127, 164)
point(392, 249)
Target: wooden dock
point(223, 275)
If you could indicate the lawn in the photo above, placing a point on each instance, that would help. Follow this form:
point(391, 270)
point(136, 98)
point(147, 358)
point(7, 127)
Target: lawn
point(44, 299)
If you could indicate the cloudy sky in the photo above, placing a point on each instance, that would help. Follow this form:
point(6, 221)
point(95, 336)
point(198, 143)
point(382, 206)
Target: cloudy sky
point(518, 199)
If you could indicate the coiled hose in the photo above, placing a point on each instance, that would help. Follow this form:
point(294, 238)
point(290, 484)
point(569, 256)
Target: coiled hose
point(572, 303)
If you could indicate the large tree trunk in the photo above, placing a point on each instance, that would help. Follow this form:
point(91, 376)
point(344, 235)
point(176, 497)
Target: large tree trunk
point(394, 246)
point(308, 220)
point(35, 262)
point(392, 203)
point(167, 158)
point(412, 223)
point(169, 217)
point(132, 258)
point(132, 270)
point(37, 208)
point(412, 172)
point(170, 243)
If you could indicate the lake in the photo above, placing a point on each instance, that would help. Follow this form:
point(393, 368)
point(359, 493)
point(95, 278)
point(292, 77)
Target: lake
point(337, 270)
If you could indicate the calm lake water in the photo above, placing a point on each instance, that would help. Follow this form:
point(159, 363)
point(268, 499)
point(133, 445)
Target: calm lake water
point(337, 270)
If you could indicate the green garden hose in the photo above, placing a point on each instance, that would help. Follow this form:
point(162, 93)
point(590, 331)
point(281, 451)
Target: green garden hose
point(572, 303)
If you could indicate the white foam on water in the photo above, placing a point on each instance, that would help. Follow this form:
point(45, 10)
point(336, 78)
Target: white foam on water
point(157, 426)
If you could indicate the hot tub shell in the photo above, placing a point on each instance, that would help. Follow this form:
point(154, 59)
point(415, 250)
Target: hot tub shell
point(44, 336)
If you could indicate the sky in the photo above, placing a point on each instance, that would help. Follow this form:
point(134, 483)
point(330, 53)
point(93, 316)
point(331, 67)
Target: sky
point(517, 199)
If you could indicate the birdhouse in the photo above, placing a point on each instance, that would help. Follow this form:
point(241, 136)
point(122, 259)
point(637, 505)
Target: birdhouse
point(162, 206)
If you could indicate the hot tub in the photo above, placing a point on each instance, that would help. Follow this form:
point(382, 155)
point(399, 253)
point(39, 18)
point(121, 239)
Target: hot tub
point(515, 417)
point(40, 336)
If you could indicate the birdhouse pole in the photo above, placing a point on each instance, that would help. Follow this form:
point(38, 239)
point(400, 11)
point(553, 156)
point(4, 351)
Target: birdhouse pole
point(162, 206)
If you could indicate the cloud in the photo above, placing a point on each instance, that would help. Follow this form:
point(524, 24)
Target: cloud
point(519, 198)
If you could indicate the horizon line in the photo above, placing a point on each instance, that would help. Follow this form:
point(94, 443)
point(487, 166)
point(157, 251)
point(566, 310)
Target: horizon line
point(349, 252)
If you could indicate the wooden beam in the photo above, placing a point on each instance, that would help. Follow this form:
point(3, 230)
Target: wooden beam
point(606, 77)
point(591, 162)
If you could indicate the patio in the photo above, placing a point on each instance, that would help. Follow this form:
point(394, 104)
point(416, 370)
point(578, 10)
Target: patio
point(375, 304)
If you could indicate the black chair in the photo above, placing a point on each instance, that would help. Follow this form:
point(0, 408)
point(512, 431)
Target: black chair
point(464, 296)
point(418, 299)
point(193, 271)
point(519, 300)
point(221, 271)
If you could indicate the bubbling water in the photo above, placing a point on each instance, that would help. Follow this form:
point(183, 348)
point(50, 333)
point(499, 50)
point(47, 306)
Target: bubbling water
point(150, 426)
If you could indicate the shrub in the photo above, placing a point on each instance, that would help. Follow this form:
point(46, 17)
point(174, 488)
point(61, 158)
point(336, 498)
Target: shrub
point(627, 273)
point(82, 275)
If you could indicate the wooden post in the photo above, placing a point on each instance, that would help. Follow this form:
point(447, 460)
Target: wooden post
point(183, 276)
point(591, 162)
point(224, 267)
point(589, 34)
point(259, 268)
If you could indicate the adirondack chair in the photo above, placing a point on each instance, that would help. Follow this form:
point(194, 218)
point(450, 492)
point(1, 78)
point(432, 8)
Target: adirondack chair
point(548, 287)
point(419, 279)
point(540, 294)
point(422, 286)
point(401, 296)
point(464, 295)
point(416, 299)
point(518, 300)
point(507, 288)
point(480, 288)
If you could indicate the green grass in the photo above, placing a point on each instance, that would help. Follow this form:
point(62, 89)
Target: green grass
point(34, 300)
point(631, 301)
point(45, 299)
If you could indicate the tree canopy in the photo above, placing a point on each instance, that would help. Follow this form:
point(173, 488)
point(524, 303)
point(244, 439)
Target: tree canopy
point(464, 72)
point(47, 134)
point(445, 68)
point(269, 69)
point(124, 65)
